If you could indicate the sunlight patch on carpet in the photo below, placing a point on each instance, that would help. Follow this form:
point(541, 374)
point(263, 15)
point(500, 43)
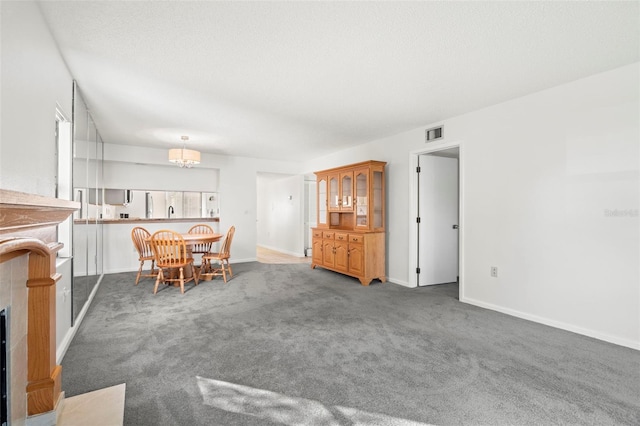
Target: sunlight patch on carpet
point(288, 410)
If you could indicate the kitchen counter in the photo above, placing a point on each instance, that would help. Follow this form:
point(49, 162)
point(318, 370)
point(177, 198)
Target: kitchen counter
point(91, 221)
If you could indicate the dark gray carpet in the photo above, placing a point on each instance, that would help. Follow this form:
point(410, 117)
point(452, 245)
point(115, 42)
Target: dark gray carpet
point(284, 344)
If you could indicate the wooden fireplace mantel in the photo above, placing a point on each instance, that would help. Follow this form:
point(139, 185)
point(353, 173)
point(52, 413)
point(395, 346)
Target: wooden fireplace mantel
point(28, 225)
point(32, 216)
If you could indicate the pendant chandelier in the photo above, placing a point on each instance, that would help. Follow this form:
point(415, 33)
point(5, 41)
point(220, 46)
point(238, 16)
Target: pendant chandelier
point(184, 157)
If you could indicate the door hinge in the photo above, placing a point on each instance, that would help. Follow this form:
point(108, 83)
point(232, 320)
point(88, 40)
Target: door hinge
point(418, 219)
point(417, 270)
point(418, 169)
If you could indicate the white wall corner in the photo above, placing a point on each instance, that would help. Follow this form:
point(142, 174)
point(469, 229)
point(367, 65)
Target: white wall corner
point(400, 282)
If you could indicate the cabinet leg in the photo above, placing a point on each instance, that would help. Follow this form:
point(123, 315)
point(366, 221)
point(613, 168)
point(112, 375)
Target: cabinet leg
point(313, 266)
point(364, 281)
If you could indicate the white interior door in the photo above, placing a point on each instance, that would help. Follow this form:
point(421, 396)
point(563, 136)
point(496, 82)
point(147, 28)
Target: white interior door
point(438, 227)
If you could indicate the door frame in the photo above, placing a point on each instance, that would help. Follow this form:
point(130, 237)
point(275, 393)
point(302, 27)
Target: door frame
point(413, 210)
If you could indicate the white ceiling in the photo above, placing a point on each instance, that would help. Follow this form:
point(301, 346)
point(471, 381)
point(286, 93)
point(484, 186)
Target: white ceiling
point(294, 80)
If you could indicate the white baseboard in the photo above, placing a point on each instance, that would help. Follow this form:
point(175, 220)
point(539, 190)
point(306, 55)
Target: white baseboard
point(64, 345)
point(399, 282)
point(556, 324)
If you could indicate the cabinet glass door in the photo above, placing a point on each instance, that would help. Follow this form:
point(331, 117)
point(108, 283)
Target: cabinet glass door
point(322, 202)
point(362, 201)
point(334, 196)
point(378, 211)
point(347, 191)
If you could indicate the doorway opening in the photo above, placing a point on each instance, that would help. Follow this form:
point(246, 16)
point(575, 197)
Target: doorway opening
point(283, 217)
point(437, 207)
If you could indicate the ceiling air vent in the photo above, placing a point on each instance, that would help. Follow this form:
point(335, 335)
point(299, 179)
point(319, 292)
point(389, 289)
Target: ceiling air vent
point(433, 134)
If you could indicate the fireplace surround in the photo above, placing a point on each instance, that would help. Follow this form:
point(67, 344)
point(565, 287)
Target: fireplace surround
point(28, 249)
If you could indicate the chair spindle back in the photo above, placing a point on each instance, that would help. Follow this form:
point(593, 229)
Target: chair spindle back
point(169, 248)
point(201, 229)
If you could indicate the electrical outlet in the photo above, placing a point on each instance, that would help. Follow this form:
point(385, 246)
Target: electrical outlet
point(494, 271)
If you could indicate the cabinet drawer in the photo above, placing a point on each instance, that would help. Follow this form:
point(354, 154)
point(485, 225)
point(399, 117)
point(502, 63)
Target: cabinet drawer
point(317, 234)
point(328, 235)
point(342, 236)
point(356, 238)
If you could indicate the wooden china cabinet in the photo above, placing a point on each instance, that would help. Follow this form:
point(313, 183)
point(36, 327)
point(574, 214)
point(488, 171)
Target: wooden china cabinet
point(350, 236)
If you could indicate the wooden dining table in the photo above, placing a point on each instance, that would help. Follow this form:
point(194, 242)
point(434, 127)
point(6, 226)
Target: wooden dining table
point(195, 238)
point(191, 239)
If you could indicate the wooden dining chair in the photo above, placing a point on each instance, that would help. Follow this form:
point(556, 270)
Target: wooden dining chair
point(141, 240)
point(221, 257)
point(201, 248)
point(172, 257)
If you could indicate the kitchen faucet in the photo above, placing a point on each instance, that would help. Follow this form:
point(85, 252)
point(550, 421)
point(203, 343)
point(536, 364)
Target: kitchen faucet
point(170, 211)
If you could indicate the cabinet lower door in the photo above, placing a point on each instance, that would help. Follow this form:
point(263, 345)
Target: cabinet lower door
point(356, 259)
point(342, 257)
point(316, 252)
point(328, 258)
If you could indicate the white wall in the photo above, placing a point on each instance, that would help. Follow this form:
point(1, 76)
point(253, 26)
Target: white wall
point(34, 79)
point(167, 177)
point(541, 175)
point(280, 223)
point(537, 192)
